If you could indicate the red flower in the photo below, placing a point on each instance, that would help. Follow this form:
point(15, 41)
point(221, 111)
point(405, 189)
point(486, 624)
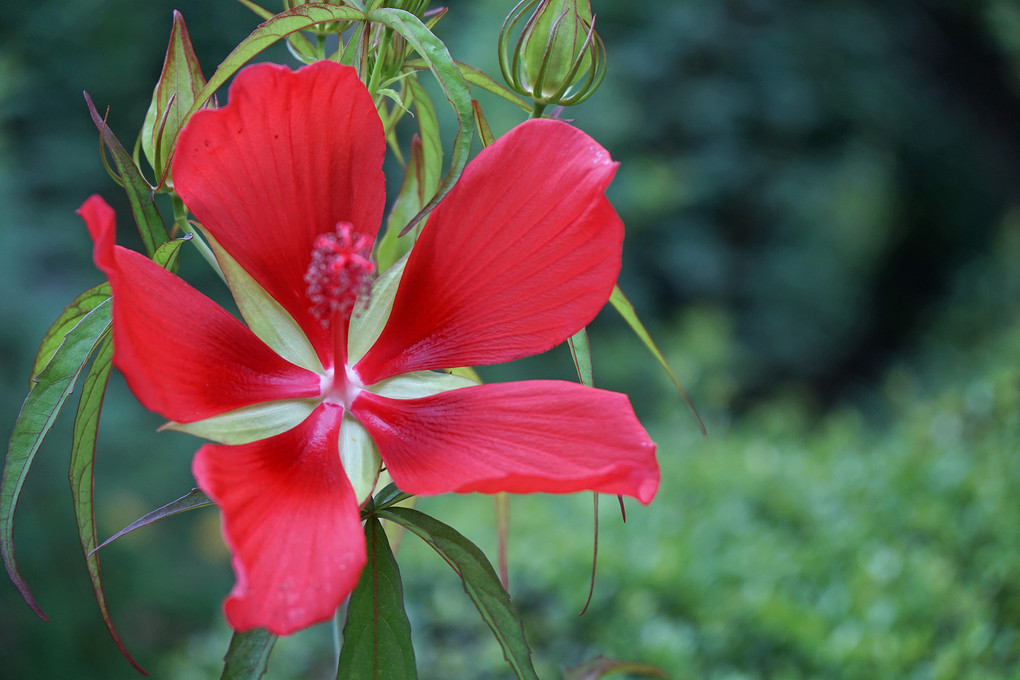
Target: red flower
point(287, 182)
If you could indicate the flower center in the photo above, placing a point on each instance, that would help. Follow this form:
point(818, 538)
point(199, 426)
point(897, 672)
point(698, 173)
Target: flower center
point(339, 271)
point(341, 385)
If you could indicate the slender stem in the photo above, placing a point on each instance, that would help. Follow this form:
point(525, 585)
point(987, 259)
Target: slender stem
point(537, 109)
point(502, 501)
point(594, 557)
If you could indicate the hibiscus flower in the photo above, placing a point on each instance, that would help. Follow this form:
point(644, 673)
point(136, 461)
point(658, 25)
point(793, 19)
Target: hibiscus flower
point(333, 376)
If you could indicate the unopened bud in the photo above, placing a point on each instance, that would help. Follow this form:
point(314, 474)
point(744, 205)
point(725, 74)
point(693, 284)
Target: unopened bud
point(558, 58)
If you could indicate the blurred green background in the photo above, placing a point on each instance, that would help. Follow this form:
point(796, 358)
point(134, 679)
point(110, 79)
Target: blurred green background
point(823, 223)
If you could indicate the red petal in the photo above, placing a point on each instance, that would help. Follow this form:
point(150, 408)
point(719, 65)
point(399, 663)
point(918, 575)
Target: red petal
point(291, 521)
point(183, 356)
point(524, 437)
point(522, 253)
point(290, 156)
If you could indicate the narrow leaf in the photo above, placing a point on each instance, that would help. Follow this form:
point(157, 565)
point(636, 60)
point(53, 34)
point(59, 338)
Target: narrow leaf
point(480, 582)
point(626, 310)
point(52, 387)
point(600, 667)
point(81, 476)
point(189, 501)
point(248, 655)
point(140, 194)
point(82, 305)
point(377, 635)
point(455, 88)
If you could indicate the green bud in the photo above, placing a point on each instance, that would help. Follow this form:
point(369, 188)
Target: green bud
point(558, 58)
point(179, 84)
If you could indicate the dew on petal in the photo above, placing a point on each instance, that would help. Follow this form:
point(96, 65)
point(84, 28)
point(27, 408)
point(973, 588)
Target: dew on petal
point(339, 271)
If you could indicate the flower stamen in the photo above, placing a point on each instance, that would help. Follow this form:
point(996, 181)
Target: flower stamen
point(339, 271)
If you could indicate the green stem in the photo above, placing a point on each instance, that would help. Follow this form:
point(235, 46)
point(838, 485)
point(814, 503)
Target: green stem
point(180, 215)
point(537, 109)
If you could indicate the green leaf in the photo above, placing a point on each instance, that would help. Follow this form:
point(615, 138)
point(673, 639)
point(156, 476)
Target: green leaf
point(168, 254)
point(377, 635)
point(390, 495)
point(480, 582)
point(81, 476)
point(248, 655)
point(455, 88)
point(82, 305)
point(600, 667)
point(52, 387)
point(140, 194)
point(179, 83)
point(189, 501)
point(626, 310)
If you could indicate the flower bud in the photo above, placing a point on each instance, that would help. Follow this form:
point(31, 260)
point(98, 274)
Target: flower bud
point(558, 57)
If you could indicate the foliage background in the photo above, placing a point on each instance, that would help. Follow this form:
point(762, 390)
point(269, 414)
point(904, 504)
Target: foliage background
point(823, 225)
